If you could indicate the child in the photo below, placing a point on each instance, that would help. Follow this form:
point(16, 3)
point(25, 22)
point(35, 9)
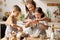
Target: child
point(37, 27)
point(12, 21)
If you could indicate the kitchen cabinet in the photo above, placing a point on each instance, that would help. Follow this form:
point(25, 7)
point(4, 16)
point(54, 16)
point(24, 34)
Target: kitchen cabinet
point(3, 26)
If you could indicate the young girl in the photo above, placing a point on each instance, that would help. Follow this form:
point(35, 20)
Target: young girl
point(37, 27)
point(39, 15)
point(12, 21)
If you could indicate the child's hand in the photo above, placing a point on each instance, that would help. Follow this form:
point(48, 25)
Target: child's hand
point(30, 21)
point(35, 21)
point(27, 20)
point(20, 28)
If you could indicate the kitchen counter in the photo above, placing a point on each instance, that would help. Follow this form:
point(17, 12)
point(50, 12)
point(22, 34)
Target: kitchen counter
point(48, 31)
point(22, 24)
point(49, 23)
point(36, 38)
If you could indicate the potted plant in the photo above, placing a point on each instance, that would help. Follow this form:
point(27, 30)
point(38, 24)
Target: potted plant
point(48, 14)
point(22, 17)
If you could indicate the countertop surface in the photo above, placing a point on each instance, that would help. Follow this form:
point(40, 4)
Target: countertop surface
point(49, 23)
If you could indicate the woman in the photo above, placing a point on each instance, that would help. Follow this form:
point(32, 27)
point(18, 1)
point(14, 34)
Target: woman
point(30, 6)
point(12, 21)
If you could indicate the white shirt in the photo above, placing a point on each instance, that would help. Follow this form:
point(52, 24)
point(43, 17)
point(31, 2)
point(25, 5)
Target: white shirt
point(36, 30)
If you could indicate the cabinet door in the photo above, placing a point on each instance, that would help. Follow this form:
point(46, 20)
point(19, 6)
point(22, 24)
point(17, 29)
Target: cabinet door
point(3, 28)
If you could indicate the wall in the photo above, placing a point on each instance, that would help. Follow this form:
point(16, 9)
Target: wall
point(1, 6)
point(44, 6)
point(52, 9)
point(10, 4)
point(39, 3)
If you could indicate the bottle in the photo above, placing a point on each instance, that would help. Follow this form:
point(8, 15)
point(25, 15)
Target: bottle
point(13, 36)
point(52, 32)
point(18, 35)
point(42, 37)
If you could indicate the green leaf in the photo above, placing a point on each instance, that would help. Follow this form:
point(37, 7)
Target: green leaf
point(22, 17)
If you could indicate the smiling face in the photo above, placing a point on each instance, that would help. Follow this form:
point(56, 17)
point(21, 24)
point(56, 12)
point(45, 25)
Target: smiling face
point(38, 15)
point(30, 7)
point(15, 12)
